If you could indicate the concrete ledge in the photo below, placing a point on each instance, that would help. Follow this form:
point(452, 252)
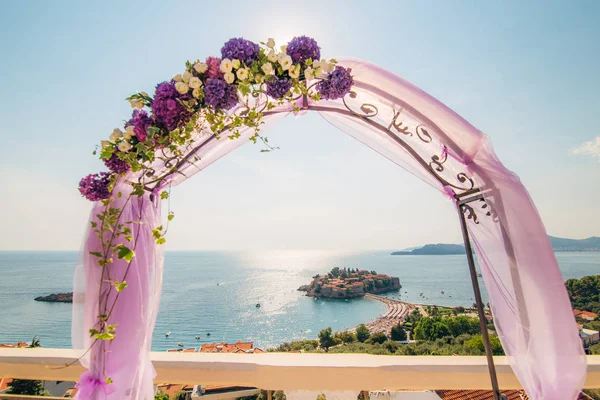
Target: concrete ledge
point(290, 371)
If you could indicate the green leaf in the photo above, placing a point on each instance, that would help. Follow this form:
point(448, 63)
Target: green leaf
point(171, 216)
point(108, 380)
point(125, 253)
point(104, 336)
point(96, 253)
point(93, 332)
point(164, 195)
point(93, 224)
point(161, 240)
point(119, 286)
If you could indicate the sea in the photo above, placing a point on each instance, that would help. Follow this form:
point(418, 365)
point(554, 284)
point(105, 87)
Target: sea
point(217, 292)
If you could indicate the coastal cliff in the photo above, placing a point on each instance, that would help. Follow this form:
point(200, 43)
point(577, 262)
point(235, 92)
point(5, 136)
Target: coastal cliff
point(348, 284)
point(56, 298)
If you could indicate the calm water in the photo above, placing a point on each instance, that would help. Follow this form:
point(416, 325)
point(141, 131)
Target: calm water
point(193, 303)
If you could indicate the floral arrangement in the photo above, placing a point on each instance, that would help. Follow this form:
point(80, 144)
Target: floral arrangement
point(215, 95)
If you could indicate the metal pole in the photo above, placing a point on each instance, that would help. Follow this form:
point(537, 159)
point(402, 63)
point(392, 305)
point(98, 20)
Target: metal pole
point(479, 303)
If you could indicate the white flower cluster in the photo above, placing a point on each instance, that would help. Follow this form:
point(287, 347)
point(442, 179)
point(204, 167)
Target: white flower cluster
point(185, 82)
point(228, 66)
point(120, 139)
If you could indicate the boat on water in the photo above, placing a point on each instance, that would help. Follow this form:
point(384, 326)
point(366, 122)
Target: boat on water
point(257, 305)
point(207, 333)
point(180, 344)
point(168, 334)
point(442, 292)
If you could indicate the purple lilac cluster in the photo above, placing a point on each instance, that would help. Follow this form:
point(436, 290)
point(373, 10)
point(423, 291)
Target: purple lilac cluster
point(141, 121)
point(337, 84)
point(116, 165)
point(219, 94)
point(94, 187)
point(214, 67)
point(301, 48)
point(167, 108)
point(278, 87)
point(240, 49)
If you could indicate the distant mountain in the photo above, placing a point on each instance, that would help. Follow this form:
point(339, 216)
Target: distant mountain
point(558, 244)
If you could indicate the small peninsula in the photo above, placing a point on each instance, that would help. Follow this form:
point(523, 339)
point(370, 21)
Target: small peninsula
point(56, 298)
point(348, 283)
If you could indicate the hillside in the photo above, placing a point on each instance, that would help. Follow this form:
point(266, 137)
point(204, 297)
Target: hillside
point(558, 244)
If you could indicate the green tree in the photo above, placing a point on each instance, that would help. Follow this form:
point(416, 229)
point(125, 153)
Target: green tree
point(180, 396)
point(475, 344)
point(431, 329)
point(325, 339)
point(362, 333)
point(345, 337)
point(335, 272)
point(377, 337)
point(462, 324)
point(398, 332)
point(161, 396)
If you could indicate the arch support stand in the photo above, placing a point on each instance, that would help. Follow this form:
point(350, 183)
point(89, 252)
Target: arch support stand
point(479, 302)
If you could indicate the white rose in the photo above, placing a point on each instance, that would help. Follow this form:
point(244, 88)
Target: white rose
point(186, 76)
point(294, 71)
point(105, 143)
point(271, 56)
point(129, 133)
point(196, 92)
point(327, 67)
point(177, 78)
point(200, 67)
point(226, 65)
point(267, 68)
point(242, 74)
point(271, 43)
point(283, 48)
point(318, 72)
point(285, 61)
point(182, 87)
point(235, 63)
point(316, 64)
point(116, 134)
point(309, 74)
point(229, 77)
point(135, 103)
point(195, 82)
point(124, 147)
point(258, 78)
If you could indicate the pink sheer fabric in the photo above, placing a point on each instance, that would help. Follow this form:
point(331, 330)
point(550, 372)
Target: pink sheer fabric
point(529, 303)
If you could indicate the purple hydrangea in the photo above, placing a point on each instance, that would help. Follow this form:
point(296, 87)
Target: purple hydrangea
point(278, 87)
point(301, 48)
point(337, 84)
point(214, 67)
point(240, 49)
point(168, 112)
point(94, 187)
point(219, 94)
point(141, 121)
point(116, 165)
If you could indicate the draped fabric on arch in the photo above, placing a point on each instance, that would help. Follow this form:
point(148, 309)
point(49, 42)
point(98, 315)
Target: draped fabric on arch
point(529, 303)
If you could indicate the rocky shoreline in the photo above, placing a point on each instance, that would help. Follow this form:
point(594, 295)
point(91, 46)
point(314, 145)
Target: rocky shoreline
point(56, 298)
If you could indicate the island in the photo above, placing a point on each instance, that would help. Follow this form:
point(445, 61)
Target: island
point(350, 283)
point(558, 245)
point(56, 298)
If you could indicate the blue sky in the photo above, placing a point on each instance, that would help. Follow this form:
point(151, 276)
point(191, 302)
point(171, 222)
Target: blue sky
point(525, 73)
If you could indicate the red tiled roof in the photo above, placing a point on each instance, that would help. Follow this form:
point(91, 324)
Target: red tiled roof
point(227, 347)
point(488, 395)
point(4, 383)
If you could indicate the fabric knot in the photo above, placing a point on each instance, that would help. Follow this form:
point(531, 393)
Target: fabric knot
point(88, 385)
point(449, 193)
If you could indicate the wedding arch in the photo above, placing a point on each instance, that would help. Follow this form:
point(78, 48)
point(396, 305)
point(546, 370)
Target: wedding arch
point(218, 104)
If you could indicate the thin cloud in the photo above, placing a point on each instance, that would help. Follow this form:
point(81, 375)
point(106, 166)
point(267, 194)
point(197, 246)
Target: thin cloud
point(591, 148)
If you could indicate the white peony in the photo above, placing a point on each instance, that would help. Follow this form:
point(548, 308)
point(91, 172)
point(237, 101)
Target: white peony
point(309, 74)
point(229, 77)
point(226, 65)
point(105, 143)
point(196, 92)
point(182, 87)
point(267, 68)
point(285, 61)
point(295, 71)
point(177, 78)
point(124, 147)
point(129, 133)
point(271, 43)
point(186, 76)
point(200, 67)
point(242, 74)
point(194, 82)
point(116, 134)
point(271, 56)
point(235, 63)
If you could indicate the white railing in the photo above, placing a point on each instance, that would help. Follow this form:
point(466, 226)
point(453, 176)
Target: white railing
point(290, 371)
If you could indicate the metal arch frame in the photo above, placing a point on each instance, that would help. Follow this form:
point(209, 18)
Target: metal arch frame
point(468, 192)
